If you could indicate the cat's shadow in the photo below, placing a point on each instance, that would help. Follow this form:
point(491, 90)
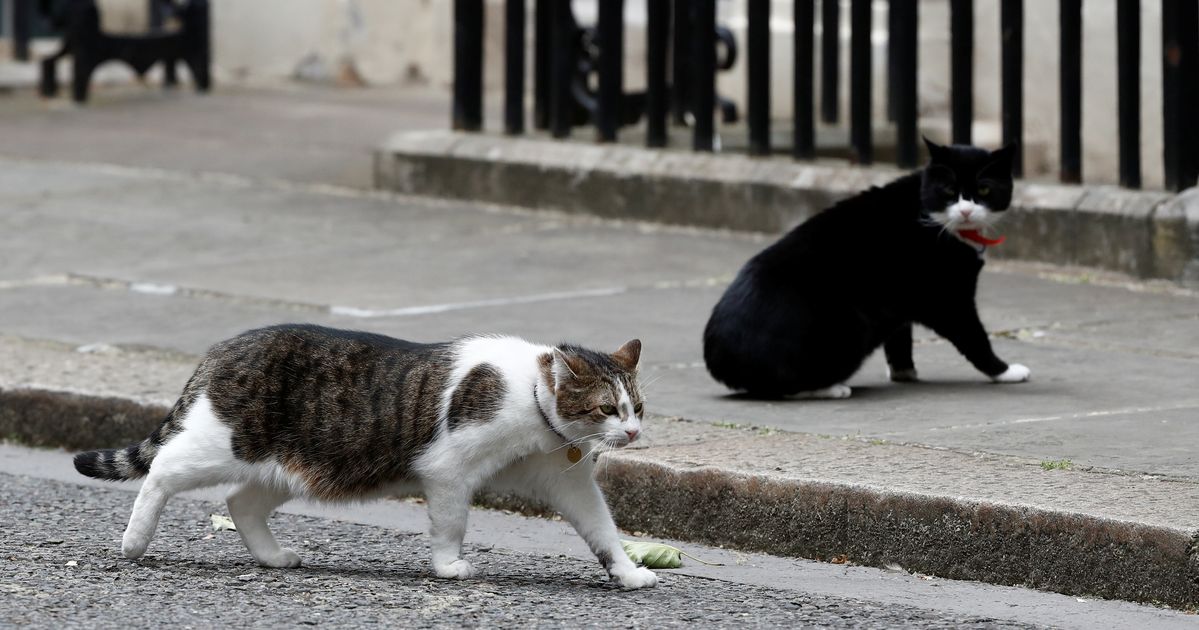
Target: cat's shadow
point(414, 574)
point(893, 391)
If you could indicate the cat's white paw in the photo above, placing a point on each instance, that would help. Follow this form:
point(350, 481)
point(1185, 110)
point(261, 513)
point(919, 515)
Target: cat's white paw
point(1015, 373)
point(456, 570)
point(282, 559)
point(134, 546)
point(902, 376)
point(637, 577)
point(832, 392)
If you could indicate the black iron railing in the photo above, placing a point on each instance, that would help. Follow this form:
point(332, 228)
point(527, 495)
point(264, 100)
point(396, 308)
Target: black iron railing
point(684, 35)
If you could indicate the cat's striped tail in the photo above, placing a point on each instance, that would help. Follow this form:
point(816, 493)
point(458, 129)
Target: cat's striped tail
point(120, 464)
point(133, 461)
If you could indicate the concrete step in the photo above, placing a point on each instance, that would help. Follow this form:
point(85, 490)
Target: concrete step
point(1143, 233)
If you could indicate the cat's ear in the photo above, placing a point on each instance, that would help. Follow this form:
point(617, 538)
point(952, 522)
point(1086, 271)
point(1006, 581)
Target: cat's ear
point(936, 152)
point(1000, 163)
point(628, 355)
point(567, 366)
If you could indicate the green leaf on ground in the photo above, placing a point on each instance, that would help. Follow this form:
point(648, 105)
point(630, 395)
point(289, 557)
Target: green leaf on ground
point(1057, 464)
point(658, 555)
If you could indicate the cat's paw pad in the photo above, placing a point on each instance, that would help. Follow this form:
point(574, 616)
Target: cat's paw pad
point(1015, 373)
point(902, 376)
point(282, 559)
point(456, 570)
point(637, 577)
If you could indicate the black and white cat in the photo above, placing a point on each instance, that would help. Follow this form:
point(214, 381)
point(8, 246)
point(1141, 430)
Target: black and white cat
point(802, 315)
point(334, 415)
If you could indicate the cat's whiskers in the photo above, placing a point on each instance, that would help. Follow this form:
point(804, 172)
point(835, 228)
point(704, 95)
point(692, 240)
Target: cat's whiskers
point(575, 441)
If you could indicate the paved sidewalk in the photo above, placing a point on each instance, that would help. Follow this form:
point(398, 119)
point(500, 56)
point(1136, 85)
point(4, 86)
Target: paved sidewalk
point(98, 254)
point(134, 247)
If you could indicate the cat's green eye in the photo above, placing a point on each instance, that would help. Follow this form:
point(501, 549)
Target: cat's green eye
point(948, 191)
point(983, 191)
point(637, 409)
point(607, 410)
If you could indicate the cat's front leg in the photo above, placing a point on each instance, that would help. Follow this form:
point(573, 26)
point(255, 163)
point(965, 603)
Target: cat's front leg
point(898, 349)
point(963, 328)
point(449, 507)
point(576, 496)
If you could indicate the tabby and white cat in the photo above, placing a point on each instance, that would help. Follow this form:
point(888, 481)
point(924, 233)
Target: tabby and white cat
point(305, 411)
point(802, 315)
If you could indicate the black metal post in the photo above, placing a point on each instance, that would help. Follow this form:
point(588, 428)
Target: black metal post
point(22, 28)
point(804, 143)
point(1180, 92)
point(562, 58)
point(657, 95)
point(468, 65)
point(860, 131)
point(1071, 90)
point(1128, 90)
point(703, 60)
point(892, 59)
point(514, 67)
point(830, 52)
point(961, 58)
point(1011, 24)
point(759, 76)
point(157, 15)
point(611, 68)
point(542, 21)
point(680, 93)
point(906, 23)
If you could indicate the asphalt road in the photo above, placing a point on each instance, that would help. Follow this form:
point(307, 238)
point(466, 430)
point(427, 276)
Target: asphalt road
point(63, 568)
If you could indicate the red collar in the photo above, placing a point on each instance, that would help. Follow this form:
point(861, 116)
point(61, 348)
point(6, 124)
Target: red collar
point(975, 236)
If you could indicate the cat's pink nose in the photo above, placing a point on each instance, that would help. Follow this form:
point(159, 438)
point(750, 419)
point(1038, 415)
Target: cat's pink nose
point(632, 433)
point(966, 214)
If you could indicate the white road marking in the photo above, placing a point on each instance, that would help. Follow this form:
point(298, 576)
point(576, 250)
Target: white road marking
point(351, 311)
point(1073, 416)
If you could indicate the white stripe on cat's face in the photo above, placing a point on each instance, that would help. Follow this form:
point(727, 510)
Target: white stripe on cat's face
point(966, 214)
point(624, 426)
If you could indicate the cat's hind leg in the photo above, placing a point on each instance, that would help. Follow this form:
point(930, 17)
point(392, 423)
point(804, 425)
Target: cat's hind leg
point(164, 481)
point(146, 509)
point(249, 506)
point(898, 350)
point(198, 456)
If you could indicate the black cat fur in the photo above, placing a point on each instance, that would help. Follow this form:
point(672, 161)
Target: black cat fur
point(804, 314)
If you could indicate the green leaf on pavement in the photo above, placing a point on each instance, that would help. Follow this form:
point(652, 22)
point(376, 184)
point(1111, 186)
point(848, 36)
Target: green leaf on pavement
point(657, 555)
